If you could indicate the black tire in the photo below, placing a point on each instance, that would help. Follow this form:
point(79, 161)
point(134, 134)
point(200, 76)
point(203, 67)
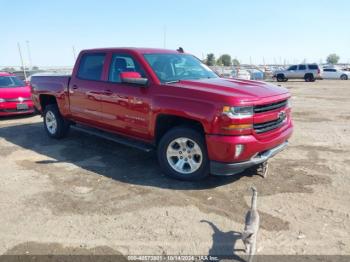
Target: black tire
point(280, 78)
point(62, 125)
point(183, 132)
point(344, 77)
point(309, 78)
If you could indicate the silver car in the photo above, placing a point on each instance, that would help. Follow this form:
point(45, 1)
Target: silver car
point(308, 72)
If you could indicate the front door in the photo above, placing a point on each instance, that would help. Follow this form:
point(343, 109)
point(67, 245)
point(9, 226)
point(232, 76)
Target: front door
point(126, 107)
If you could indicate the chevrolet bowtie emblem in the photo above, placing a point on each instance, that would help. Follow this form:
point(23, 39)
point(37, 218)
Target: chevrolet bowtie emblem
point(20, 99)
point(282, 115)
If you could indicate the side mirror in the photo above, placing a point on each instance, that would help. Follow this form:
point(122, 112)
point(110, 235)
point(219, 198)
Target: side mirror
point(133, 78)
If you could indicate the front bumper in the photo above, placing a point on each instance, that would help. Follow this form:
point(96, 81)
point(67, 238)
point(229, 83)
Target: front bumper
point(225, 169)
point(10, 108)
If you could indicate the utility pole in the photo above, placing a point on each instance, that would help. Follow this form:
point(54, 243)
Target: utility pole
point(20, 55)
point(74, 53)
point(29, 55)
point(164, 37)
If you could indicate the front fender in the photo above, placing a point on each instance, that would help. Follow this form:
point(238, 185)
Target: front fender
point(193, 109)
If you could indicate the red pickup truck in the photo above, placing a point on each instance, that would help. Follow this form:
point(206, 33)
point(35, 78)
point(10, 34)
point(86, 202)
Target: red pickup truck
point(154, 98)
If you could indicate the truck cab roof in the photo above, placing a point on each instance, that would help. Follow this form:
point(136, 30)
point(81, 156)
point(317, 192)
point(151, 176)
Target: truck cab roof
point(133, 49)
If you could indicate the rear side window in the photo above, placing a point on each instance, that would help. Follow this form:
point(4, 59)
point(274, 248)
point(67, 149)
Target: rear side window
point(302, 67)
point(91, 66)
point(313, 67)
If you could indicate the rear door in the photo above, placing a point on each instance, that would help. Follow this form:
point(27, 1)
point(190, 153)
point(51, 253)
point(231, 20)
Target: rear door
point(301, 71)
point(85, 88)
point(126, 107)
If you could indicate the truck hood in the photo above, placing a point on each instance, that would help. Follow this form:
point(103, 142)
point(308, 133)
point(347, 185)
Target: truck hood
point(243, 89)
point(15, 92)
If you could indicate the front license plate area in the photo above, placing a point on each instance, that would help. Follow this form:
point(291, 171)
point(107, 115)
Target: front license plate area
point(22, 107)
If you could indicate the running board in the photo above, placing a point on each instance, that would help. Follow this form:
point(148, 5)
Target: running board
point(113, 137)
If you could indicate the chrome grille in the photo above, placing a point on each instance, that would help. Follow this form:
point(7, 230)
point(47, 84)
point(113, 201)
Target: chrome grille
point(270, 125)
point(269, 107)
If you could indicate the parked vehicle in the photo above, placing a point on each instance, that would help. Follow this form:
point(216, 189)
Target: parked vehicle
point(160, 99)
point(334, 73)
point(308, 72)
point(242, 74)
point(256, 74)
point(15, 97)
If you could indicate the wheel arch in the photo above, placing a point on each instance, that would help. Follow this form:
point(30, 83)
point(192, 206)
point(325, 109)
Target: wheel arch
point(164, 122)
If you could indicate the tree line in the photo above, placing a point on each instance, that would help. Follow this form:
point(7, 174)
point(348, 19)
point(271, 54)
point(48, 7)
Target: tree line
point(223, 60)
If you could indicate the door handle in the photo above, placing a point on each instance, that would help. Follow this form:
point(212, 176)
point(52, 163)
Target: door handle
point(108, 92)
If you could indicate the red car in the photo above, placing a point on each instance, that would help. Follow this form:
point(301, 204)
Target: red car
point(15, 97)
point(198, 122)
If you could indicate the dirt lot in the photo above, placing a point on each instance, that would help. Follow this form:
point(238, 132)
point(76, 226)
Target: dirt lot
point(85, 195)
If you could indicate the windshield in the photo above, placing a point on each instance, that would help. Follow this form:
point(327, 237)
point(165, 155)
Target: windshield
point(176, 67)
point(10, 81)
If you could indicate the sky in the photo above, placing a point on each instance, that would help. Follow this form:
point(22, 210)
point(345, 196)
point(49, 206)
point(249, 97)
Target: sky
point(254, 31)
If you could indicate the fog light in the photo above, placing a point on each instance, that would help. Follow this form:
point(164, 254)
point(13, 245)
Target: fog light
point(239, 150)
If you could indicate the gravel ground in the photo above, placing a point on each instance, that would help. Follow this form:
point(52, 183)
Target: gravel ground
point(84, 195)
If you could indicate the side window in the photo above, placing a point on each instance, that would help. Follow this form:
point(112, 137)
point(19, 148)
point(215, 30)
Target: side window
point(313, 67)
point(91, 66)
point(327, 70)
point(294, 67)
point(302, 67)
point(123, 63)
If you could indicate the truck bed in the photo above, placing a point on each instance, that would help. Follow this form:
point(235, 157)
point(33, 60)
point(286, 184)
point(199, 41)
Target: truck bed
point(54, 85)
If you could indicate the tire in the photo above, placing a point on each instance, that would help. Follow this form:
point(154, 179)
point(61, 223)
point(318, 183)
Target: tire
point(344, 77)
point(309, 78)
point(195, 157)
point(55, 125)
point(280, 78)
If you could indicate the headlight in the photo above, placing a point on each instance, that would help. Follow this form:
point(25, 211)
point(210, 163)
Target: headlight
point(2, 100)
point(289, 103)
point(238, 111)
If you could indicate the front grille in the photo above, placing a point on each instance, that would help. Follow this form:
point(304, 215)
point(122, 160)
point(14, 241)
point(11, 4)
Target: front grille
point(269, 107)
point(19, 99)
point(268, 126)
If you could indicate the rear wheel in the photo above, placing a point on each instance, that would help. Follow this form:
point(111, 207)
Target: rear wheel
point(182, 154)
point(55, 125)
point(309, 78)
point(344, 77)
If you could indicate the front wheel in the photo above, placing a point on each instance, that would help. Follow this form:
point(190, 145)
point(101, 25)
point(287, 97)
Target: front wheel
point(182, 154)
point(55, 125)
point(280, 78)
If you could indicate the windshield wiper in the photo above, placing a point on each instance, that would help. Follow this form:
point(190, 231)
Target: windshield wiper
point(172, 82)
